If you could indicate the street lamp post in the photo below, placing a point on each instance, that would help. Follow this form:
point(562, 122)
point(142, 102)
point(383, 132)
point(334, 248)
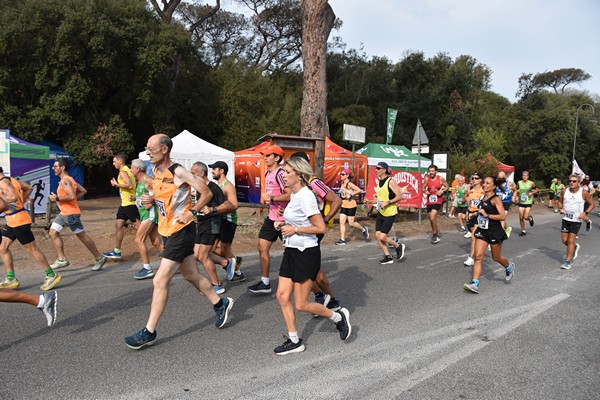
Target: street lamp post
point(592, 119)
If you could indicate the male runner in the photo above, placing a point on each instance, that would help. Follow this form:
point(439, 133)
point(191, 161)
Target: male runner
point(46, 302)
point(128, 210)
point(172, 196)
point(505, 190)
point(434, 187)
point(524, 196)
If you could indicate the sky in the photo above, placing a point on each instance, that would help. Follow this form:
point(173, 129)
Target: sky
point(511, 37)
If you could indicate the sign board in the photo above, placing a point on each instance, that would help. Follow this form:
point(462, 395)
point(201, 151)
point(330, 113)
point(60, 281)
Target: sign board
point(294, 144)
point(354, 134)
point(424, 149)
point(440, 160)
point(5, 150)
point(420, 135)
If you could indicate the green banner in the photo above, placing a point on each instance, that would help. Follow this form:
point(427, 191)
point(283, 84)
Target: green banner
point(391, 121)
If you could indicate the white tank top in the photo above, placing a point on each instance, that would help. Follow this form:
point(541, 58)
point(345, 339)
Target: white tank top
point(573, 204)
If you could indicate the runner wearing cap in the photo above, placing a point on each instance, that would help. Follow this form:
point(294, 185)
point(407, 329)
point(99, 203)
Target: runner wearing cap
point(278, 197)
point(524, 196)
point(387, 196)
point(348, 191)
point(434, 187)
point(473, 196)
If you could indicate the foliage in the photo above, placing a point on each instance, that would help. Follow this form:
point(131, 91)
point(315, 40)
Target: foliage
point(558, 80)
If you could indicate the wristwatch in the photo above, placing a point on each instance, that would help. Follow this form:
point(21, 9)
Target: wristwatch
point(194, 212)
point(272, 199)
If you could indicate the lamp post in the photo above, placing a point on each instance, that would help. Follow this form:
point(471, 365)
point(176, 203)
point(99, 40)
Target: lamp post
point(592, 119)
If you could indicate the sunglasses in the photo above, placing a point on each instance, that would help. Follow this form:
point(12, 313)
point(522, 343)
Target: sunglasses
point(573, 181)
point(379, 168)
point(475, 177)
point(343, 173)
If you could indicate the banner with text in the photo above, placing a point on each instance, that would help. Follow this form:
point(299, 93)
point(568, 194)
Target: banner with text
point(411, 187)
point(391, 122)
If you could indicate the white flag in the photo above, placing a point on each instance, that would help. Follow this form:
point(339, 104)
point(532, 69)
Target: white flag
point(577, 170)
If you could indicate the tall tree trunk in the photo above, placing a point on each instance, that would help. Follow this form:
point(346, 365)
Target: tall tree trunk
point(317, 21)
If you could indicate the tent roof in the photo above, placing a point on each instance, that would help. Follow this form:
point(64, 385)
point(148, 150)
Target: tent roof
point(499, 165)
point(334, 152)
point(393, 155)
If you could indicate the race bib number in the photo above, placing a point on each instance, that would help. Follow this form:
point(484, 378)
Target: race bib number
point(483, 222)
point(160, 207)
point(505, 195)
point(285, 240)
point(138, 202)
point(524, 197)
point(475, 203)
point(433, 198)
point(570, 215)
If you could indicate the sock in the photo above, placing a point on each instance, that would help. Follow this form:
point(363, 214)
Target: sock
point(42, 301)
point(10, 275)
point(148, 267)
point(265, 280)
point(50, 272)
point(219, 304)
point(117, 250)
point(238, 272)
point(476, 281)
point(294, 337)
point(336, 317)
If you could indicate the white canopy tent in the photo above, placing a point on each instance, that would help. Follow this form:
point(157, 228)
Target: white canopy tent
point(189, 148)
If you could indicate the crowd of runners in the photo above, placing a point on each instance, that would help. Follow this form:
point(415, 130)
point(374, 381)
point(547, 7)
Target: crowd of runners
point(192, 219)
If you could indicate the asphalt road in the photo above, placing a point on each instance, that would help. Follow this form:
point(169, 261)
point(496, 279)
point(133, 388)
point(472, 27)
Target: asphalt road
point(416, 333)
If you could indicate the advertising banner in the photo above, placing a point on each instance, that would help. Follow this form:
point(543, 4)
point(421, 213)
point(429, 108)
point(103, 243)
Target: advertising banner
point(411, 186)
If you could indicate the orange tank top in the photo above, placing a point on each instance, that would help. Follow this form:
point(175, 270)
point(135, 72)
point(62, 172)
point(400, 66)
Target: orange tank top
point(171, 200)
point(16, 215)
point(474, 199)
point(70, 207)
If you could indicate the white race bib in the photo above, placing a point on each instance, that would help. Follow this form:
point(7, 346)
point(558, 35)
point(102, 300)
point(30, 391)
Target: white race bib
point(475, 203)
point(482, 222)
point(433, 198)
point(160, 207)
point(524, 197)
point(570, 215)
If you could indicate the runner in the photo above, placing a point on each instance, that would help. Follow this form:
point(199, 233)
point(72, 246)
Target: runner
point(277, 195)
point(302, 257)
point(558, 189)
point(229, 261)
point(18, 227)
point(388, 194)
point(434, 187)
point(128, 210)
point(148, 219)
point(70, 215)
point(575, 203)
point(46, 303)
point(552, 194)
point(524, 195)
point(473, 196)
point(489, 232)
point(171, 186)
point(348, 191)
point(505, 190)
point(209, 225)
point(462, 205)
point(452, 213)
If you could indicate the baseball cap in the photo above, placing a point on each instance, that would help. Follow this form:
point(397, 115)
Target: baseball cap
point(273, 149)
point(220, 164)
point(383, 165)
point(478, 174)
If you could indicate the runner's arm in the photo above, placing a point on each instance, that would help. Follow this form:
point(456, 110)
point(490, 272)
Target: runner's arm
point(26, 189)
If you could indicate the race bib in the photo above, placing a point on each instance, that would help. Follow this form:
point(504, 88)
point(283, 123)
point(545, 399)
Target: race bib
point(524, 197)
point(285, 240)
point(160, 207)
point(475, 203)
point(570, 215)
point(483, 222)
point(433, 198)
point(138, 202)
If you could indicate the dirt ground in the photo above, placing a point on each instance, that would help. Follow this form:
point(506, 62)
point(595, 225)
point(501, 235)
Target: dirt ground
point(98, 217)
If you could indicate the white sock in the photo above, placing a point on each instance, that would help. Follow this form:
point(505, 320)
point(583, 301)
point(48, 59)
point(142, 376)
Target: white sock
point(238, 272)
point(266, 281)
point(148, 267)
point(42, 301)
point(336, 317)
point(294, 337)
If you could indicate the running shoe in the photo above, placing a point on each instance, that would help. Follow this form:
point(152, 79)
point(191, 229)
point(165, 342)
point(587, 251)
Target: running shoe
point(289, 347)
point(114, 255)
point(462, 229)
point(140, 339)
point(99, 263)
point(468, 235)
point(588, 226)
point(333, 305)
point(260, 287)
point(400, 251)
point(231, 264)
point(566, 265)
point(522, 233)
point(365, 233)
point(219, 289)
point(451, 216)
point(238, 278)
point(555, 210)
point(10, 284)
point(60, 263)
point(469, 262)
point(530, 220)
point(223, 311)
point(344, 326)
point(50, 307)
point(471, 287)
point(509, 271)
point(50, 282)
point(576, 252)
point(144, 273)
point(322, 298)
point(386, 260)
point(435, 239)
point(508, 230)
point(341, 242)
point(391, 246)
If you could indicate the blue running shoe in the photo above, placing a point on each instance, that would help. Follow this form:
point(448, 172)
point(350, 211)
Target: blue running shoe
point(140, 339)
point(113, 255)
point(510, 271)
point(219, 289)
point(231, 264)
point(223, 312)
point(144, 273)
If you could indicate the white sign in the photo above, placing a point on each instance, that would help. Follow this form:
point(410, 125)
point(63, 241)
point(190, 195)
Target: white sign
point(440, 160)
point(424, 149)
point(354, 134)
